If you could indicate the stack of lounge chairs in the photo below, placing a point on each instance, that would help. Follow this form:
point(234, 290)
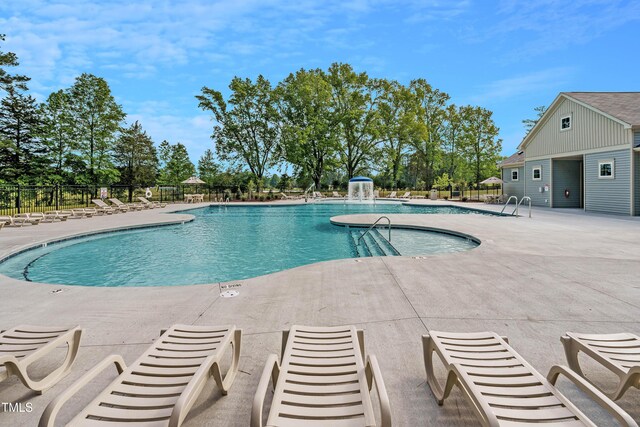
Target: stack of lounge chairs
point(18, 220)
point(323, 377)
point(100, 208)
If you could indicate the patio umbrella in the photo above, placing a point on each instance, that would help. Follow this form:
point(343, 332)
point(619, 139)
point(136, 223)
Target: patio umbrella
point(193, 180)
point(492, 180)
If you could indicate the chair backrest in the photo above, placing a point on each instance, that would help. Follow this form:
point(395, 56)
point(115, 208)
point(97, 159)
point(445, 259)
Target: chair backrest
point(144, 200)
point(407, 194)
point(116, 201)
point(513, 382)
point(309, 368)
point(100, 203)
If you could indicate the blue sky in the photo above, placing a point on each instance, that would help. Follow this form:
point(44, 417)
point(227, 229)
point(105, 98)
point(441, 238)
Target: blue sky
point(508, 56)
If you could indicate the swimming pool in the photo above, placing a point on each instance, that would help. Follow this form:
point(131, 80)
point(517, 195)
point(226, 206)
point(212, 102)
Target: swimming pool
point(222, 244)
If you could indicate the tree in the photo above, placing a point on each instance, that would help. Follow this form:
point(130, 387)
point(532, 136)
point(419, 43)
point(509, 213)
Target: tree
point(398, 125)
point(354, 99)
point(7, 80)
point(452, 134)
point(431, 113)
point(248, 129)
point(309, 134)
point(96, 120)
point(530, 123)
point(481, 143)
point(57, 134)
point(136, 158)
point(176, 162)
point(22, 154)
point(208, 169)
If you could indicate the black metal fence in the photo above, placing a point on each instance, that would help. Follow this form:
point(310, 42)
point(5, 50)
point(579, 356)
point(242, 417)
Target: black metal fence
point(31, 198)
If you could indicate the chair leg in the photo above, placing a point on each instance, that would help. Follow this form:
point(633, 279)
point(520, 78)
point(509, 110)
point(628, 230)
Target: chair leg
point(73, 344)
point(571, 353)
point(440, 394)
point(225, 383)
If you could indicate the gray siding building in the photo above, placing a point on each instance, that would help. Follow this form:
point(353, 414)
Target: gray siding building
point(513, 175)
point(584, 152)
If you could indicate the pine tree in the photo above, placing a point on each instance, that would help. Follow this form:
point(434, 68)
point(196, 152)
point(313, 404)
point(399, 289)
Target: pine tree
point(22, 154)
point(136, 158)
point(208, 169)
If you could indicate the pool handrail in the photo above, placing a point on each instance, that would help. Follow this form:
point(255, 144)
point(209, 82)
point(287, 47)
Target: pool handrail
point(515, 211)
point(373, 225)
point(522, 200)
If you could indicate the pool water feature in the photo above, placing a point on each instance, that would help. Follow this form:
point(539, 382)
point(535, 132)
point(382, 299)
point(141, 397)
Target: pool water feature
point(224, 244)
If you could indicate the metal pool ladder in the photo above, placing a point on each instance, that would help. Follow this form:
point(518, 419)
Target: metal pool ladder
point(374, 224)
point(522, 200)
point(517, 205)
point(507, 204)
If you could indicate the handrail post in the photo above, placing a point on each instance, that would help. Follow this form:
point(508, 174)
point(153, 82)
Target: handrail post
point(529, 200)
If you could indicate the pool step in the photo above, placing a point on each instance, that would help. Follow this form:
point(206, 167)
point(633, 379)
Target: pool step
point(387, 246)
point(372, 244)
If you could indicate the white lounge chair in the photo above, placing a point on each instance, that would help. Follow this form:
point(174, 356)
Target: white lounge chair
point(619, 353)
point(51, 216)
point(502, 388)
point(406, 195)
point(162, 385)
point(321, 380)
point(106, 208)
point(18, 220)
point(119, 204)
point(152, 204)
point(336, 195)
point(392, 195)
point(24, 345)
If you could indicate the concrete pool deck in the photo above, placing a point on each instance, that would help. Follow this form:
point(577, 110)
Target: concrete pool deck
point(531, 279)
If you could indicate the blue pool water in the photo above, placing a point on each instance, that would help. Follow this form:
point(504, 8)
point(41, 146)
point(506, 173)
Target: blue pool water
point(221, 244)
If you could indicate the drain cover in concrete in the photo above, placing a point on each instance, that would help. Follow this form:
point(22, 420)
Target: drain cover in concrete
point(229, 294)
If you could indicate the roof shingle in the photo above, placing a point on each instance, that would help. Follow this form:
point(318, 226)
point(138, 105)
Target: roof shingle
point(623, 106)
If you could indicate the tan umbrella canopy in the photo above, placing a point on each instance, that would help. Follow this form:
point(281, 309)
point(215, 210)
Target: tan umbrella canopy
point(492, 180)
point(193, 180)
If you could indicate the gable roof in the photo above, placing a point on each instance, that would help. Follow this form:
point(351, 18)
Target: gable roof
point(622, 107)
point(514, 159)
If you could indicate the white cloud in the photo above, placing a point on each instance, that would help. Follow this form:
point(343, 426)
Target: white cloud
point(552, 25)
point(526, 84)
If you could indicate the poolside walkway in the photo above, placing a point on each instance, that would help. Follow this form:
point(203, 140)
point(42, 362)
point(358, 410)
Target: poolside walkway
point(531, 279)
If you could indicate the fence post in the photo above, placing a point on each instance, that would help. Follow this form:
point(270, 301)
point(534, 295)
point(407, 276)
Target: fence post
point(57, 192)
point(19, 201)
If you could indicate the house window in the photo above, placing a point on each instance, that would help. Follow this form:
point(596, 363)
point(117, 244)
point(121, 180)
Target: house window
point(565, 123)
point(536, 173)
point(514, 174)
point(605, 169)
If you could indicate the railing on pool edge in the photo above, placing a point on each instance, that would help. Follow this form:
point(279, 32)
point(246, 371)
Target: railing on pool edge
point(507, 204)
point(373, 225)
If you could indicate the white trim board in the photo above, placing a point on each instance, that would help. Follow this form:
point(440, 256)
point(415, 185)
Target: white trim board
point(578, 153)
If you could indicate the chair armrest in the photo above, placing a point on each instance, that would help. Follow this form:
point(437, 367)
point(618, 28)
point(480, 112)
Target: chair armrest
point(271, 369)
point(374, 376)
point(49, 416)
point(595, 394)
